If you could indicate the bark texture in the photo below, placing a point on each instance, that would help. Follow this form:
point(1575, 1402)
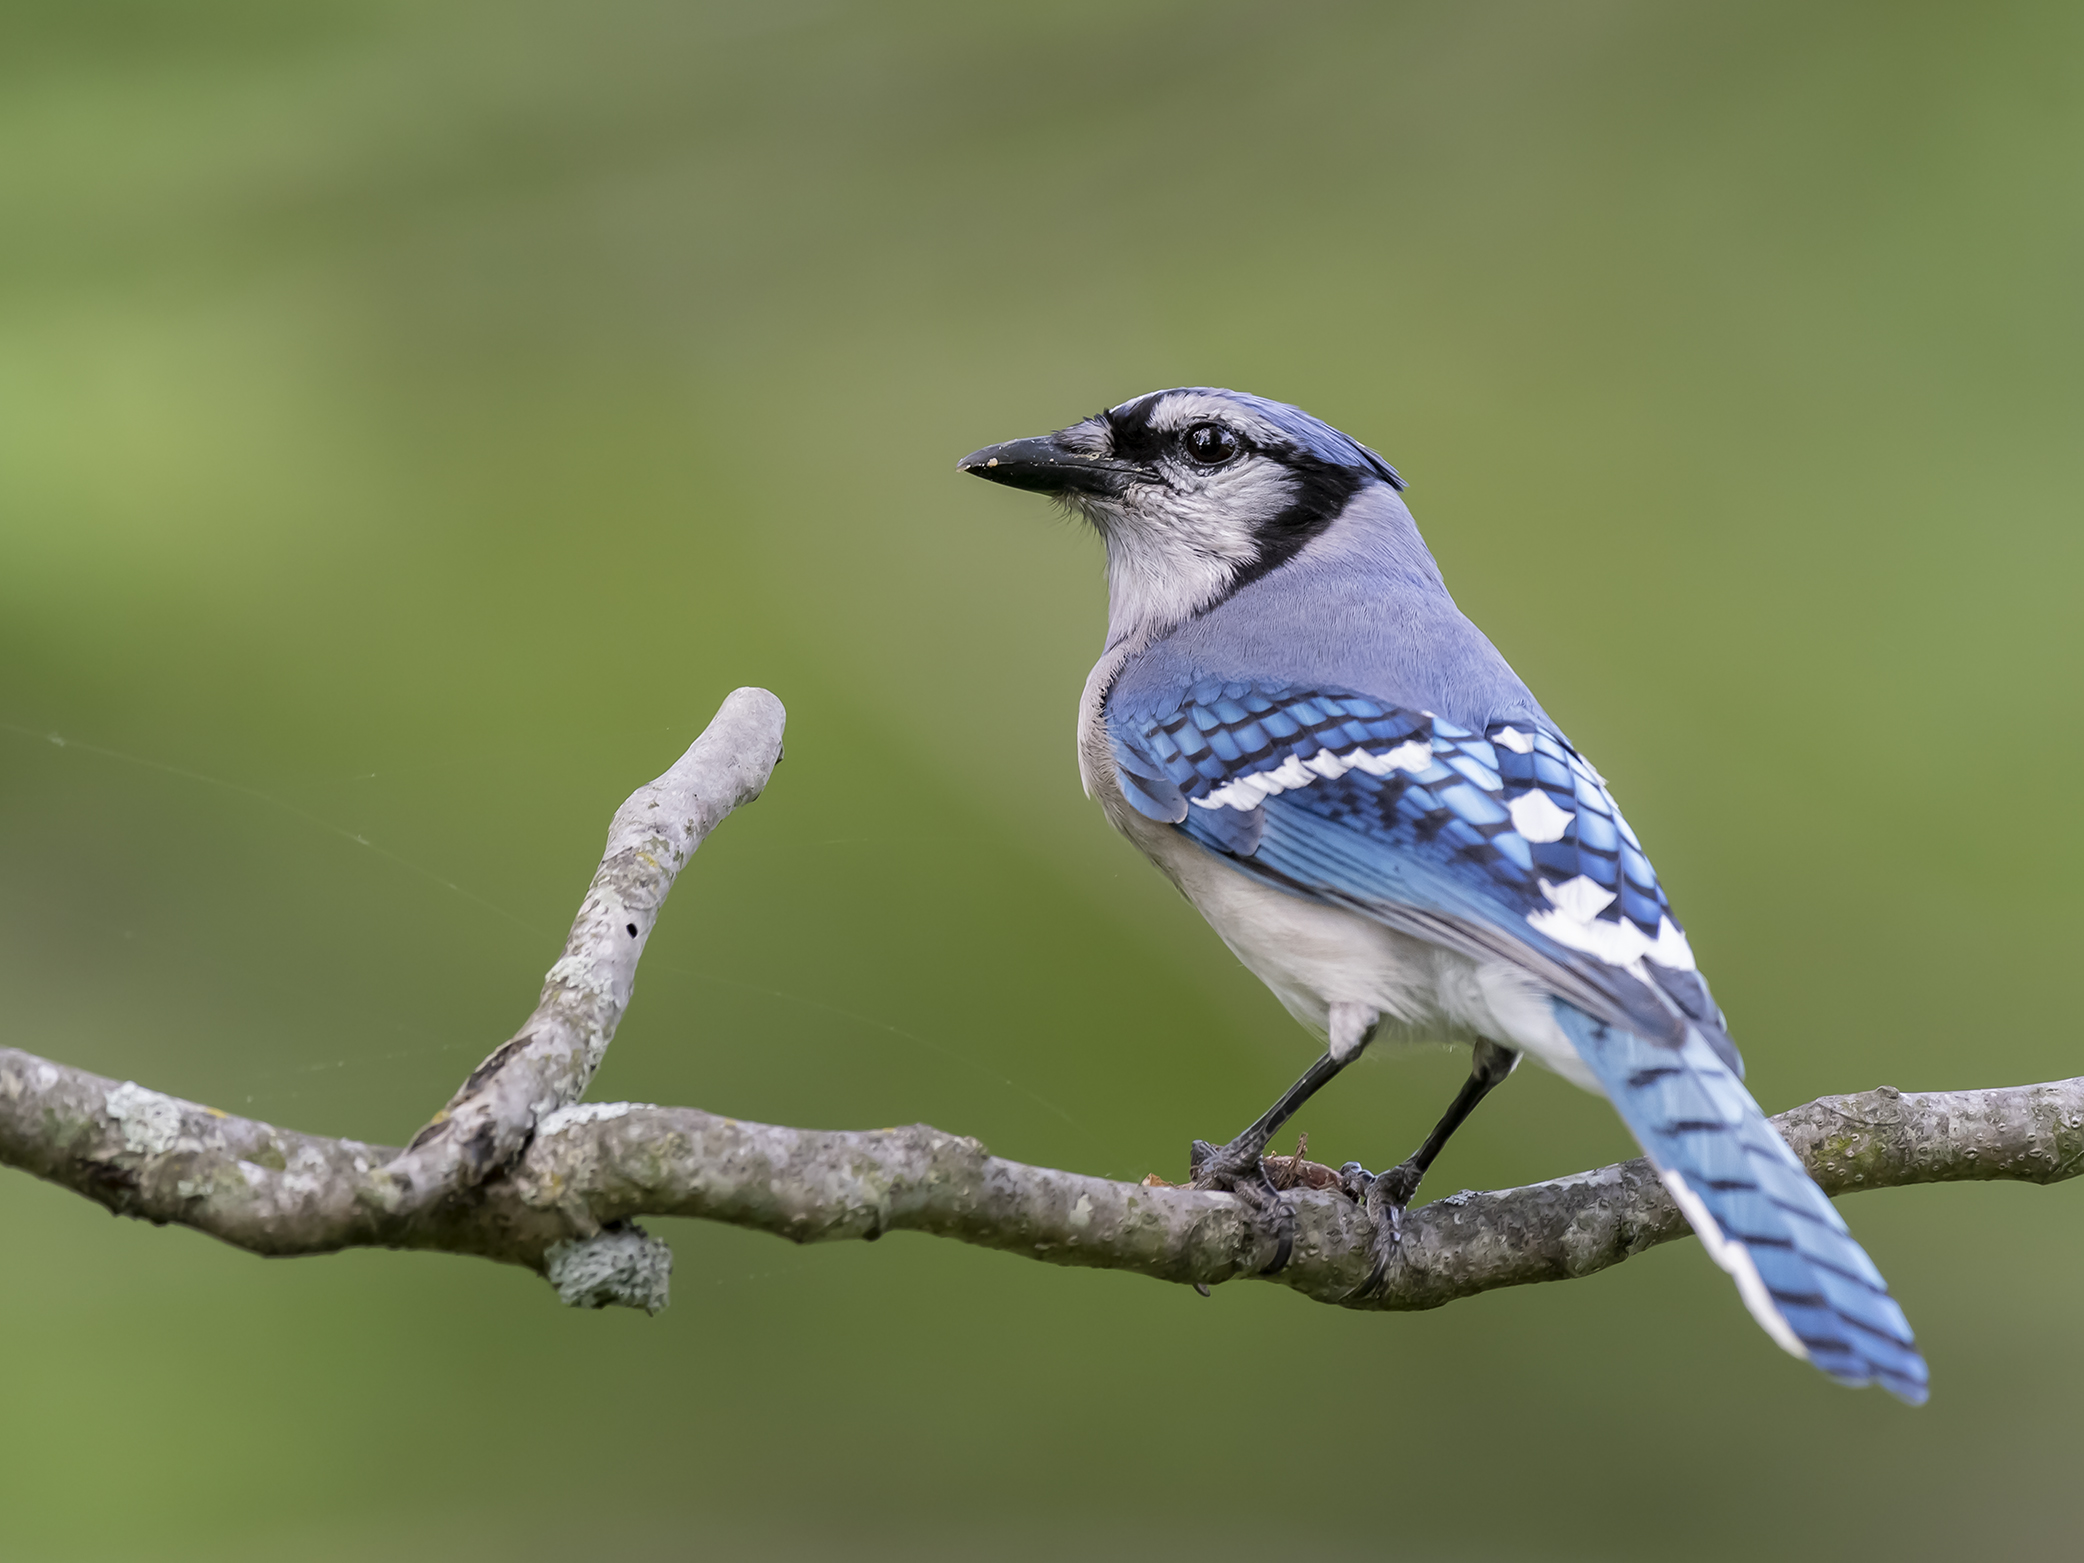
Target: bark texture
point(515, 1170)
point(550, 1061)
point(567, 1206)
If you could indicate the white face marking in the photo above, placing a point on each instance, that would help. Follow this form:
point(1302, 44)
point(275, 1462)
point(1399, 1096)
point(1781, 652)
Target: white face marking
point(1536, 817)
point(1515, 740)
point(1173, 546)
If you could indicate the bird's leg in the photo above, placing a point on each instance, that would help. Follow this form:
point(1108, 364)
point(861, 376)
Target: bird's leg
point(1237, 1168)
point(1387, 1194)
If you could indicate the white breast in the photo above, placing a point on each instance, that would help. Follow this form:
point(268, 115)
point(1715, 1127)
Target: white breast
point(1315, 957)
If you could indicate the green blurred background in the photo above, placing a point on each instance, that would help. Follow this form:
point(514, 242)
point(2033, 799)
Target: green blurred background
point(414, 418)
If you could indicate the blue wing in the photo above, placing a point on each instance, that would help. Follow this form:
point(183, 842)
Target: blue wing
point(1503, 843)
point(1506, 844)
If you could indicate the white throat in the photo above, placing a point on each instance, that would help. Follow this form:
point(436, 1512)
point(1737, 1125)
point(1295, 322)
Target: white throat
point(1173, 550)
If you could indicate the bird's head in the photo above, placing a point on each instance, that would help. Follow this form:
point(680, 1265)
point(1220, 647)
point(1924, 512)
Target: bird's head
point(1196, 491)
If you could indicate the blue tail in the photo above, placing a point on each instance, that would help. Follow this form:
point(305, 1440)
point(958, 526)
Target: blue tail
point(1800, 1273)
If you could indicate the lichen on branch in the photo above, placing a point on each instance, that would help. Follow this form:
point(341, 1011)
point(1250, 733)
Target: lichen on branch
point(516, 1170)
point(568, 1207)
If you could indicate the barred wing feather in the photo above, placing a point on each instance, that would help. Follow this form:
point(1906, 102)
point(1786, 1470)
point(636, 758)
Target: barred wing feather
point(1506, 844)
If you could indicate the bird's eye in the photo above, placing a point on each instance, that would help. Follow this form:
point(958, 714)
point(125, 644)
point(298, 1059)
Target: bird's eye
point(1211, 444)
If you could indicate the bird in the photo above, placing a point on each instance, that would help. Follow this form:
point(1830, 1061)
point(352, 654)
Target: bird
point(1294, 722)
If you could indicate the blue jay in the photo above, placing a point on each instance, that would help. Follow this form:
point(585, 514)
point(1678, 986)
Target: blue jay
point(1295, 723)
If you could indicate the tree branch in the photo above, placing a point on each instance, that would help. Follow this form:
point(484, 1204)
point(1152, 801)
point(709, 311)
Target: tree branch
point(512, 1172)
point(551, 1060)
point(563, 1209)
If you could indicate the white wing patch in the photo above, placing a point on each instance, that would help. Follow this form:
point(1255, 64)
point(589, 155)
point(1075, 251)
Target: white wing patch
point(1535, 815)
point(1248, 792)
point(1576, 914)
point(1413, 755)
point(1579, 899)
point(1573, 920)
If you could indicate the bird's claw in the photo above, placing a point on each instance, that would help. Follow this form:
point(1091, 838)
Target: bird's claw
point(1384, 1196)
point(1237, 1169)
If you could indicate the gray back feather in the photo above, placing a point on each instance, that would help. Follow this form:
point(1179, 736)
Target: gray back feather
point(1361, 606)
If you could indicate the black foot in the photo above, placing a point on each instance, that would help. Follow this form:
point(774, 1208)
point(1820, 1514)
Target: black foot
point(1236, 1169)
point(1385, 1195)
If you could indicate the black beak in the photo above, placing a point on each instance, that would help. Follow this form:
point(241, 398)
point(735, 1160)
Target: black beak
point(1046, 466)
